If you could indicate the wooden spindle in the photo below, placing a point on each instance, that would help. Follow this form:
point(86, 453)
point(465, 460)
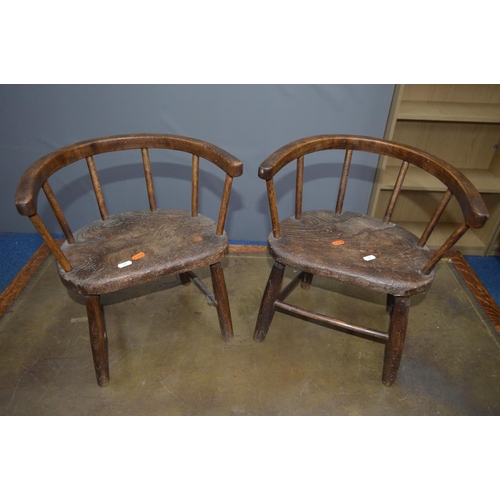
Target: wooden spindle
point(223, 205)
point(457, 234)
point(435, 218)
point(63, 223)
point(97, 188)
point(195, 176)
point(395, 193)
point(343, 181)
point(299, 187)
point(149, 179)
point(271, 194)
point(49, 240)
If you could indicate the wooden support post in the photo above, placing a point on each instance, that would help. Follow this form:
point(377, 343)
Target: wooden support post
point(395, 343)
point(149, 179)
point(222, 300)
point(267, 308)
point(98, 338)
point(299, 187)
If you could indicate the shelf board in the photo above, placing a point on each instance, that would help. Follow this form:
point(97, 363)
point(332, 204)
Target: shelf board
point(419, 180)
point(469, 244)
point(449, 111)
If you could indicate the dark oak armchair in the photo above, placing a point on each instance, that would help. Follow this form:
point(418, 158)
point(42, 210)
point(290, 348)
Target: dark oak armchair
point(132, 248)
point(356, 249)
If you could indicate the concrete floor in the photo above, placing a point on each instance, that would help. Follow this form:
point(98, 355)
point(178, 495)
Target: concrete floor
point(167, 356)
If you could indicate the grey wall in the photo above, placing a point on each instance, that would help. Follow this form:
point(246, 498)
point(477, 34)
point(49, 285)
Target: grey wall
point(249, 121)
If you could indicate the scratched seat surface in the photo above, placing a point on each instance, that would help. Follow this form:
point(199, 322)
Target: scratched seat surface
point(306, 244)
point(172, 241)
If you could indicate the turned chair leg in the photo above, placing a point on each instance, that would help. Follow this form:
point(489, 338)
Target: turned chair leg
point(306, 281)
point(98, 338)
point(220, 293)
point(397, 330)
point(271, 293)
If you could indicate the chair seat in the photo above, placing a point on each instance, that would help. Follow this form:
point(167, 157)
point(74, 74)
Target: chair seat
point(173, 243)
point(306, 244)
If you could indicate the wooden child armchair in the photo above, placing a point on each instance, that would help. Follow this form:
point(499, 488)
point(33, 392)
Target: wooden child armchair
point(356, 249)
point(131, 248)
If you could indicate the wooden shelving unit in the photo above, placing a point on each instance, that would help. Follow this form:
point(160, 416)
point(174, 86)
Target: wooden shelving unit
point(460, 124)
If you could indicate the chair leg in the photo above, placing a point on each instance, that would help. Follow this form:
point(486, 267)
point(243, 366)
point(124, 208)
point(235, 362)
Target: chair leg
point(395, 343)
point(390, 303)
point(306, 281)
point(220, 293)
point(185, 278)
point(98, 338)
point(271, 293)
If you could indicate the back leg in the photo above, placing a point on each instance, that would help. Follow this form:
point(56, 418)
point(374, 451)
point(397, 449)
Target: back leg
point(98, 338)
point(185, 278)
point(220, 293)
point(271, 293)
point(306, 281)
point(389, 303)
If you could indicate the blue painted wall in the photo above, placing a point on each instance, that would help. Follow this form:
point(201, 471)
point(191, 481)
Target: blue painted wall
point(249, 121)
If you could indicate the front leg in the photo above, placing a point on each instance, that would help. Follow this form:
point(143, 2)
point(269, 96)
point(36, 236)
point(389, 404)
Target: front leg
point(271, 293)
point(98, 338)
point(395, 343)
point(220, 293)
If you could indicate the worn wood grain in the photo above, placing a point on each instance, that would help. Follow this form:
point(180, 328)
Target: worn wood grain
point(307, 245)
point(173, 243)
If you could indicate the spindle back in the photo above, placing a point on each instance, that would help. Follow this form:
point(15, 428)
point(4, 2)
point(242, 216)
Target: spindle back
point(472, 206)
point(37, 176)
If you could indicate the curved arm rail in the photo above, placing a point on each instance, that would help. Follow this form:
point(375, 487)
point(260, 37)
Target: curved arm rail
point(471, 203)
point(36, 175)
